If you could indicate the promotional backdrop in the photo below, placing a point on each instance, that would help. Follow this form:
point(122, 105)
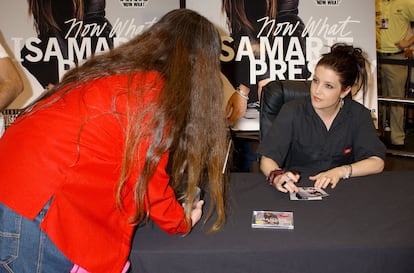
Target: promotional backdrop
point(44, 56)
point(289, 45)
point(285, 45)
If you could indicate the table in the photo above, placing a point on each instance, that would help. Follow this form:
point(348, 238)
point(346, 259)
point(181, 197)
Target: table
point(365, 225)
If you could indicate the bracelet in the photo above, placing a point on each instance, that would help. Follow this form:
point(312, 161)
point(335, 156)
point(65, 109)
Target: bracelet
point(241, 93)
point(348, 173)
point(273, 174)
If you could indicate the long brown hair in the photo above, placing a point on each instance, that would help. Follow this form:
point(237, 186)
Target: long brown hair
point(184, 47)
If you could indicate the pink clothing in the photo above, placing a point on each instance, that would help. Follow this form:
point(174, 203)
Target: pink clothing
point(78, 269)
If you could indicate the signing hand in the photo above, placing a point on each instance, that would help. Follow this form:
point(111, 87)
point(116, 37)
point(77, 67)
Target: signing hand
point(286, 182)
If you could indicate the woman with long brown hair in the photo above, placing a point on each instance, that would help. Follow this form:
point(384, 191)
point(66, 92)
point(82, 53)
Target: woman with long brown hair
point(105, 149)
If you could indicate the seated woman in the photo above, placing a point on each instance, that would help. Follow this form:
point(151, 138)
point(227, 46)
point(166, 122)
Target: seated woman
point(327, 135)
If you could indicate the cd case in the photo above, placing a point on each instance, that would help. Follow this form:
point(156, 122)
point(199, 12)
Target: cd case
point(272, 219)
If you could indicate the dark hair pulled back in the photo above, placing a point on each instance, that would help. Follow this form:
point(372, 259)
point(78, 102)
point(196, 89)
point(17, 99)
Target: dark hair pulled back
point(349, 63)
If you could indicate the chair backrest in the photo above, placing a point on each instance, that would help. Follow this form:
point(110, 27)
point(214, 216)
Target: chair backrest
point(274, 95)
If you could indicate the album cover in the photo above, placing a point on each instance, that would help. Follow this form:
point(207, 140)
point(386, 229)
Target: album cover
point(308, 193)
point(272, 219)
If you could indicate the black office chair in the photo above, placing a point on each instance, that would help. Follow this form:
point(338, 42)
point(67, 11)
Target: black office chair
point(274, 95)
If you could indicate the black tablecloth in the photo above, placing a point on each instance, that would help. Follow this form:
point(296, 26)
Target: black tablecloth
point(365, 225)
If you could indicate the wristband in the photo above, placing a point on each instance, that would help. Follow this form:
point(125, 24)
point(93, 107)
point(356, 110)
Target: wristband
point(241, 93)
point(348, 173)
point(273, 174)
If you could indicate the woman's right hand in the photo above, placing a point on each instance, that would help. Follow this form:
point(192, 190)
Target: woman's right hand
point(286, 182)
point(268, 165)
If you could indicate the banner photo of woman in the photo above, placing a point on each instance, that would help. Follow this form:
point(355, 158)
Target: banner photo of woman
point(55, 36)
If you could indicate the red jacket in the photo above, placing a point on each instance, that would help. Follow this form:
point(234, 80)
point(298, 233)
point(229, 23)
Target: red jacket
point(45, 155)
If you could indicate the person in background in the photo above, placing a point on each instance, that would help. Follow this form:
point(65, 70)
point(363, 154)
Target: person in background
point(409, 53)
point(11, 84)
point(327, 135)
point(128, 126)
point(246, 19)
point(393, 20)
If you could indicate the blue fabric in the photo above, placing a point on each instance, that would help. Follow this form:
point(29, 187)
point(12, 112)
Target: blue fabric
point(24, 247)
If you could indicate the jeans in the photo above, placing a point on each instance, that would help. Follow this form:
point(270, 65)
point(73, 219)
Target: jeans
point(25, 248)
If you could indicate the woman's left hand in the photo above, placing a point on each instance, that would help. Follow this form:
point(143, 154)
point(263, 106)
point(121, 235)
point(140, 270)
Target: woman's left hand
point(197, 212)
point(323, 179)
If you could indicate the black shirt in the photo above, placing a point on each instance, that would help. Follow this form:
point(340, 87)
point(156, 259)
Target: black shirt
point(299, 140)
